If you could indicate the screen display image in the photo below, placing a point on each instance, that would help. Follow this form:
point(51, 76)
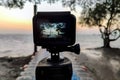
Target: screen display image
point(56, 29)
point(52, 30)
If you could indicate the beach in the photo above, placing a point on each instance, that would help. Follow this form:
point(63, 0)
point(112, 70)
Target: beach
point(10, 67)
point(101, 63)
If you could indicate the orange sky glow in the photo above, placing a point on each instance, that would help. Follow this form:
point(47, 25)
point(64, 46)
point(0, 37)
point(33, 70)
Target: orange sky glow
point(16, 20)
point(20, 20)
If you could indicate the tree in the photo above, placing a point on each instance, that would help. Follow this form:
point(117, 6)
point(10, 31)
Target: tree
point(68, 3)
point(20, 3)
point(12, 3)
point(108, 12)
point(102, 13)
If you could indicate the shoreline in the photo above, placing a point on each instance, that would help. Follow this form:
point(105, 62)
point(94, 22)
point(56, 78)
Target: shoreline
point(102, 64)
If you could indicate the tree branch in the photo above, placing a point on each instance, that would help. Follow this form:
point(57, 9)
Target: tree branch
point(100, 28)
point(102, 32)
point(115, 38)
point(115, 31)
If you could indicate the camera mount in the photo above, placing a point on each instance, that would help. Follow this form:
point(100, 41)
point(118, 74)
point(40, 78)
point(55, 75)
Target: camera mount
point(55, 57)
point(55, 31)
point(56, 68)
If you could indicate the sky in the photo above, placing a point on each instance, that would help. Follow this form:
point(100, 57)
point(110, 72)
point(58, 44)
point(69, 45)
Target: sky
point(17, 20)
point(20, 20)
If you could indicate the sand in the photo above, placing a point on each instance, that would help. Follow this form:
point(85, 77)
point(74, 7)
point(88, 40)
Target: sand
point(103, 64)
point(10, 68)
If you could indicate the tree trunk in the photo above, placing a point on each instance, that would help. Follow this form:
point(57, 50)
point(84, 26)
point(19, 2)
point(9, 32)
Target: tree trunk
point(106, 42)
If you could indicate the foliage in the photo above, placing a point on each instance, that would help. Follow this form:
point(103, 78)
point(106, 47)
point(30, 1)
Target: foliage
point(67, 3)
point(106, 16)
point(102, 12)
point(20, 3)
point(12, 3)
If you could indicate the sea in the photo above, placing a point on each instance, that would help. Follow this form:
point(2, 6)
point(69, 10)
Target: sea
point(16, 45)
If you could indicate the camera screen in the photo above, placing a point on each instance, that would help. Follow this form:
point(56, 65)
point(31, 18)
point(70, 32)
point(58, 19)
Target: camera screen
point(52, 30)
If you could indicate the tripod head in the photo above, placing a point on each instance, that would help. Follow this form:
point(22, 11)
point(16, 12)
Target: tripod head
point(55, 52)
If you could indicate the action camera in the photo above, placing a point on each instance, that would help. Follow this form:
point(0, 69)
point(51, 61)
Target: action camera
point(54, 29)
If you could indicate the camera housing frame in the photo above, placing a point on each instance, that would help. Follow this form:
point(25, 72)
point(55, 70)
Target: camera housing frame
point(67, 39)
point(55, 67)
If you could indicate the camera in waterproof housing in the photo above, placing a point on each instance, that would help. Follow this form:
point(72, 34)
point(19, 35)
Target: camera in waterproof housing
point(55, 31)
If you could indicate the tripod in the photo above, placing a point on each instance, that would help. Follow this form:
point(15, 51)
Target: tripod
point(55, 68)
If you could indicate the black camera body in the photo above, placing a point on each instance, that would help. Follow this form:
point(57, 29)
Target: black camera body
point(54, 29)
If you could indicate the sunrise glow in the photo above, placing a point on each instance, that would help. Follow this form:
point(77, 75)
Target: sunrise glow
point(20, 20)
